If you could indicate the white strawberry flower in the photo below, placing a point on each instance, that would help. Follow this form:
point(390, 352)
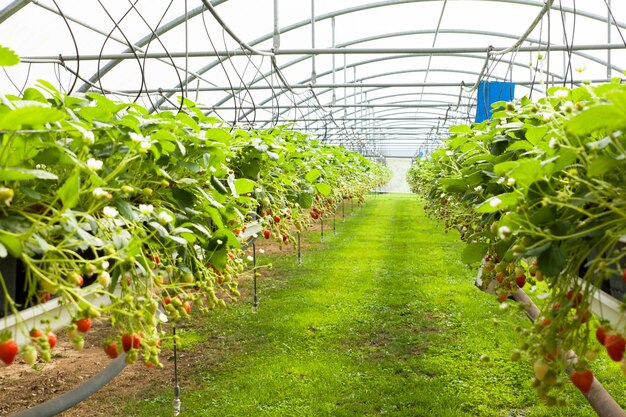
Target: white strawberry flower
point(137, 137)
point(250, 258)
point(146, 209)
point(165, 218)
point(145, 145)
point(88, 137)
point(104, 265)
point(110, 212)
point(510, 181)
point(478, 188)
point(100, 193)
point(219, 242)
point(561, 93)
point(495, 202)
point(261, 250)
point(568, 107)
point(504, 232)
point(449, 153)
point(212, 169)
point(94, 164)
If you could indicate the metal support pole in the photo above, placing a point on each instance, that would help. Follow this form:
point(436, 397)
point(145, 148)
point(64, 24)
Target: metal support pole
point(332, 23)
point(343, 210)
point(186, 48)
point(276, 37)
point(255, 305)
point(345, 89)
point(299, 250)
point(608, 40)
point(313, 74)
point(335, 222)
point(322, 223)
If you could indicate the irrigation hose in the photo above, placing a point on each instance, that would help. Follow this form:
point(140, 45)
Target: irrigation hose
point(69, 399)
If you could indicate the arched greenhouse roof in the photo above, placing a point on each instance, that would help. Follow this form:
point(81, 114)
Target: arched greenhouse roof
point(383, 77)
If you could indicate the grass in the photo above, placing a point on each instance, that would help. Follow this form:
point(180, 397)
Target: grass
point(382, 319)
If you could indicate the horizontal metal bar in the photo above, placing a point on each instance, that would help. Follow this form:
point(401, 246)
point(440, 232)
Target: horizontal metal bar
point(357, 129)
point(330, 51)
point(357, 119)
point(340, 106)
point(340, 85)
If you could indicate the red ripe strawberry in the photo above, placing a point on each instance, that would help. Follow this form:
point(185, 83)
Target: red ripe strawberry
point(285, 237)
point(615, 345)
point(111, 350)
point(277, 219)
point(236, 232)
point(268, 212)
point(315, 215)
point(8, 351)
point(43, 296)
point(35, 333)
point(575, 297)
point(601, 335)
point(130, 341)
point(267, 233)
point(545, 321)
point(500, 277)
point(167, 300)
point(52, 339)
point(187, 307)
point(520, 280)
point(582, 380)
point(83, 325)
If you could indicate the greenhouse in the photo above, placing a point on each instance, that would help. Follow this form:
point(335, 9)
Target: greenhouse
point(313, 208)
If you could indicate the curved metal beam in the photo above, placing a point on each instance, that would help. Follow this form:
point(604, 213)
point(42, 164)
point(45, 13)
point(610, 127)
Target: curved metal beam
point(12, 8)
point(386, 74)
point(419, 32)
point(386, 3)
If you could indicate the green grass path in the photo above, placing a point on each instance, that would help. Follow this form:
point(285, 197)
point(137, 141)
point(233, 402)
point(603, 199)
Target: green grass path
point(382, 319)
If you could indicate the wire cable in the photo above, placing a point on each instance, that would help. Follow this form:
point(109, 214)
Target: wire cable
point(67, 23)
point(206, 29)
point(156, 36)
point(130, 45)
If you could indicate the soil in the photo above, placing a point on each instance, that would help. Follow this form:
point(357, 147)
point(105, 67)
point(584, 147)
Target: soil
point(24, 387)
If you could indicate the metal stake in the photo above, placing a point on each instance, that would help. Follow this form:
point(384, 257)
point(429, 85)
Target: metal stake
point(299, 251)
point(322, 223)
point(176, 386)
point(335, 223)
point(255, 305)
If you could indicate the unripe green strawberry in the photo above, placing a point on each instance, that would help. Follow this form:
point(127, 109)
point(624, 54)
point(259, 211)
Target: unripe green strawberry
point(78, 343)
point(104, 279)
point(29, 355)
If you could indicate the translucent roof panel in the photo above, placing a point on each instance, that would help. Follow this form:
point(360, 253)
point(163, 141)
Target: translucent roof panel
point(383, 77)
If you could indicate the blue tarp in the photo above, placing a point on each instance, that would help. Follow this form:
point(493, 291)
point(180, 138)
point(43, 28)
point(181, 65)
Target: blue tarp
point(490, 92)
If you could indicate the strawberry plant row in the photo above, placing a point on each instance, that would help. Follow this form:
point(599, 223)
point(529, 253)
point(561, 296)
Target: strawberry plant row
point(149, 210)
point(538, 194)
